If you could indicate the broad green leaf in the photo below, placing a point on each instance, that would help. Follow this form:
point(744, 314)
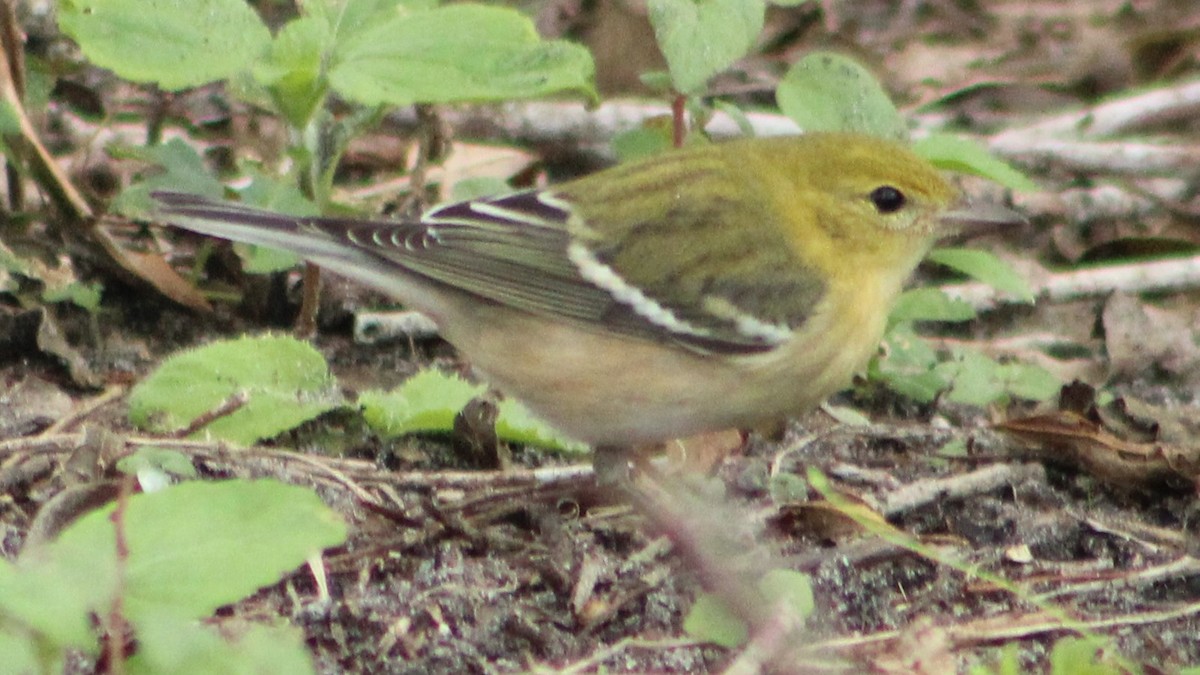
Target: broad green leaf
point(10, 120)
point(953, 448)
point(457, 53)
point(744, 125)
point(1083, 656)
point(985, 267)
point(172, 462)
point(17, 652)
point(907, 366)
point(429, 401)
point(954, 153)
point(710, 621)
point(346, 18)
point(657, 81)
point(169, 643)
point(640, 143)
point(975, 379)
point(1029, 382)
point(55, 595)
point(294, 69)
point(830, 92)
point(701, 38)
point(77, 293)
point(183, 169)
point(286, 383)
point(791, 588)
point(788, 488)
point(192, 547)
point(426, 402)
point(516, 424)
point(929, 304)
point(172, 43)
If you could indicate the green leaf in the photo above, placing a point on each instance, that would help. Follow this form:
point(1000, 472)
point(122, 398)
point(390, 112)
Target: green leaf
point(183, 169)
point(907, 366)
point(10, 120)
point(430, 400)
point(169, 643)
point(285, 380)
point(976, 379)
point(294, 69)
point(458, 53)
point(745, 127)
point(954, 153)
point(193, 547)
point(172, 43)
point(86, 296)
point(701, 38)
point(929, 304)
point(172, 462)
point(791, 588)
point(788, 488)
point(985, 267)
point(953, 448)
point(54, 596)
point(17, 652)
point(1082, 656)
point(829, 92)
point(1030, 382)
point(710, 621)
point(427, 401)
point(516, 424)
point(657, 81)
point(641, 143)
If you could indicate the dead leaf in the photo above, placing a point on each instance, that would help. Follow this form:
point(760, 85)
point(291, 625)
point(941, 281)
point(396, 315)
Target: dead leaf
point(153, 269)
point(1068, 437)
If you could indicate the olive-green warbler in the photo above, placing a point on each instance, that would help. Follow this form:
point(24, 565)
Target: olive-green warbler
point(716, 287)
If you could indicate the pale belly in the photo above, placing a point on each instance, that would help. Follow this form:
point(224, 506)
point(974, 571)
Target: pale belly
point(610, 390)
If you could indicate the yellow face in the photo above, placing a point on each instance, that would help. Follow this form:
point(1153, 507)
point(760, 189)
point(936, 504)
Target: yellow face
point(857, 203)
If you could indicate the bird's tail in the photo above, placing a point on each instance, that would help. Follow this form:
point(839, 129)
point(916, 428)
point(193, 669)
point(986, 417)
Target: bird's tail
point(229, 220)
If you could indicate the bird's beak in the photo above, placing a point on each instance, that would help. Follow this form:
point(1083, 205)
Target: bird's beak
point(980, 217)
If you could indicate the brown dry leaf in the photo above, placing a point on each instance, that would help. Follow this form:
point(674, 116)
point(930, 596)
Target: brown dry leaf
point(1071, 438)
point(825, 521)
point(154, 270)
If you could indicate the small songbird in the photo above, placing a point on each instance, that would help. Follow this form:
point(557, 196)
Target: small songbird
point(722, 286)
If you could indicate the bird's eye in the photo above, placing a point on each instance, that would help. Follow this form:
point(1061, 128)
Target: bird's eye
point(887, 199)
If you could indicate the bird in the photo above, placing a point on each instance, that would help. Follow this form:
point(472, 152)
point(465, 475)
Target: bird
point(720, 286)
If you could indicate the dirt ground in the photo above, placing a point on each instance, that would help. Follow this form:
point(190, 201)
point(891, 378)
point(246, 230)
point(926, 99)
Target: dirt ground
point(1086, 504)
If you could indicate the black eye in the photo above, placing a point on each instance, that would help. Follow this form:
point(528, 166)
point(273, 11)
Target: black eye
point(887, 199)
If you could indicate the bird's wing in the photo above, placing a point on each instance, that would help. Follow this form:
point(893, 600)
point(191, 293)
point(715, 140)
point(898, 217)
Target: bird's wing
point(553, 254)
